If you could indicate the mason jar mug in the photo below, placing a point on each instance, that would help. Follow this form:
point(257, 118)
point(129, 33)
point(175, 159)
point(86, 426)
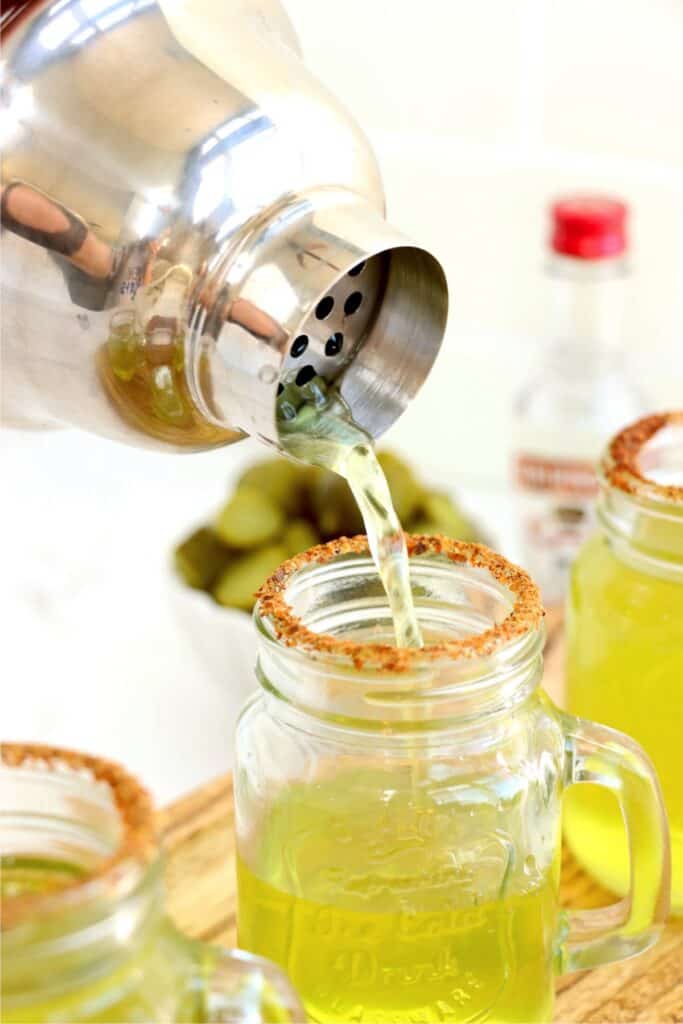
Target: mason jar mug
point(398, 810)
point(625, 635)
point(84, 934)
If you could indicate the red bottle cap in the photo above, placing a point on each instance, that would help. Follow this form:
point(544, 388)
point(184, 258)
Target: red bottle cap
point(589, 227)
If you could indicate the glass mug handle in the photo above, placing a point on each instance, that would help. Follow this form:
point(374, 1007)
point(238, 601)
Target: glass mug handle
point(228, 986)
point(608, 758)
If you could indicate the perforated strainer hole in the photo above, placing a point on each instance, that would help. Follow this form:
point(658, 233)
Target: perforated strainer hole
point(305, 374)
point(334, 343)
point(358, 269)
point(353, 303)
point(299, 346)
point(324, 307)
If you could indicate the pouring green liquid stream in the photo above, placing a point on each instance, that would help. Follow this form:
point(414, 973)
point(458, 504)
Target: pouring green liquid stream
point(321, 431)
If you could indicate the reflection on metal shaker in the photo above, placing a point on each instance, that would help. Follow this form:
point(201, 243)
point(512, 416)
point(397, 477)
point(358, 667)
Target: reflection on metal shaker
point(176, 212)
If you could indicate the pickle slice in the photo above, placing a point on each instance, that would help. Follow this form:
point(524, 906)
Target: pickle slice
point(201, 558)
point(281, 480)
point(299, 536)
point(249, 519)
point(334, 508)
point(242, 578)
point(406, 492)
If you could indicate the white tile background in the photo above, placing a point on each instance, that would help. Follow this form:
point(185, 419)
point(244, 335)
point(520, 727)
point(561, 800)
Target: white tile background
point(479, 112)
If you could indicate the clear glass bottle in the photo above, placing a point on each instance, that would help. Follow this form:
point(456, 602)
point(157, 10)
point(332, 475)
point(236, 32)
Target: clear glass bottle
point(398, 810)
point(579, 394)
point(625, 634)
point(85, 937)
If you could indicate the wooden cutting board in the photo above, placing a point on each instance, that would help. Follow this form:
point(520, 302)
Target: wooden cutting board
point(199, 839)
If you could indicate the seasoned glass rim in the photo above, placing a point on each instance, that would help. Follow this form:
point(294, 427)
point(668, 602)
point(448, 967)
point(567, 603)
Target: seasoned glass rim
point(136, 849)
point(620, 467)
point(525, 616)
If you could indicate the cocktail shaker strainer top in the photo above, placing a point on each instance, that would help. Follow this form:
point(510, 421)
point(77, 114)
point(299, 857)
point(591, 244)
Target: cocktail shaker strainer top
point(190, 222)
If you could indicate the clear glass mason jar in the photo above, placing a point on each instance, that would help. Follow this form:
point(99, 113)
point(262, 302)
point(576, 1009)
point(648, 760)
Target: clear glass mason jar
point(625, 635)
point(398, 810)
point(84, 934)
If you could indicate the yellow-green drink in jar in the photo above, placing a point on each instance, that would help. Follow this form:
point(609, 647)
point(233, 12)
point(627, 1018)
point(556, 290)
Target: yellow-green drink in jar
point(85, 938)
point(375, 911)
point(398, 809)
point(625, 636)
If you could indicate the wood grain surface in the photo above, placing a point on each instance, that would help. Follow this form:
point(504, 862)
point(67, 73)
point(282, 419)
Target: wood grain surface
point(198, 835)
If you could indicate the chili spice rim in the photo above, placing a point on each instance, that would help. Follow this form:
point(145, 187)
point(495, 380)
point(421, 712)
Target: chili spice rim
point(525, 616)
point(621, 466)
point(133, 803)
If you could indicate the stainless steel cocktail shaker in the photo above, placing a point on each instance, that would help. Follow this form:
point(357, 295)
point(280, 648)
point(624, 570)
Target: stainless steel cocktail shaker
point(191, 221)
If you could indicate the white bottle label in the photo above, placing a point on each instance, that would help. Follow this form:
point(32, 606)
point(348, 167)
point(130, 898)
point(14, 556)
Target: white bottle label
point(557, 497)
